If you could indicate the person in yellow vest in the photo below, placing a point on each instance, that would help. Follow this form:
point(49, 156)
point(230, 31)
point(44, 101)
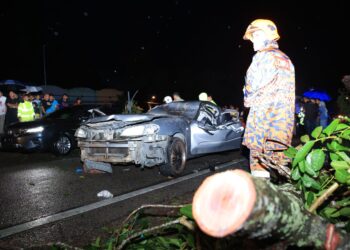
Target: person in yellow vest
point(25, 111)
point(205, 97)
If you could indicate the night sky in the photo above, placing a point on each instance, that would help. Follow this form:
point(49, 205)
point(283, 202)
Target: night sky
point(158, 47)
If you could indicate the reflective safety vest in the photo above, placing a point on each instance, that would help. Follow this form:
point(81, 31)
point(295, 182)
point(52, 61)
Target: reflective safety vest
point(25, 111)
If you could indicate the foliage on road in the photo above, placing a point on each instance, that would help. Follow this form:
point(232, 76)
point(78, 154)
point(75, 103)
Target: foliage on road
point(321, 170)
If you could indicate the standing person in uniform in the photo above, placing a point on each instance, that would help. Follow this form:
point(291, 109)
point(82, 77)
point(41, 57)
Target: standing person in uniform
point(269, 92)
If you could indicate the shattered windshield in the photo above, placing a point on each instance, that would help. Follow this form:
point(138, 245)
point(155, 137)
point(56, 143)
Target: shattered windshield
point(186, 109)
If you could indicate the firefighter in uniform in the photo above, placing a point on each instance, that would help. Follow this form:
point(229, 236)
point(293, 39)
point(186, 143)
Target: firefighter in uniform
point(269, 92)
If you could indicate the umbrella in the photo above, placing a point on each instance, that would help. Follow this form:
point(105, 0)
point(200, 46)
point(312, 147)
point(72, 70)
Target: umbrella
point(32, 89)
point(315, 94)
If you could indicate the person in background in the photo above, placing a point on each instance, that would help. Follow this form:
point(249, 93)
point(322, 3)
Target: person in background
point(37, 106)
point(269, 92)
point(64, 101)
point(11, 105)
point(54, 104)
point(2, 112)
point(77, 101)
point(323, 111)
point(45, 103)
point(311, 115)
point(26, 110)
point(205, 97)
point(176, 97)
point(210, 99)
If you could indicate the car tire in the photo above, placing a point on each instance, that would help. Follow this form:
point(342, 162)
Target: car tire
point(62, 145)
point(176, 154)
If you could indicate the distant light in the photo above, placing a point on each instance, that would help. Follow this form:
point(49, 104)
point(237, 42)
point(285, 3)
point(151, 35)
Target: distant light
point(85, 13)
point(56, 33)
point(305, 48)
point(142, 47)
point(153, 97)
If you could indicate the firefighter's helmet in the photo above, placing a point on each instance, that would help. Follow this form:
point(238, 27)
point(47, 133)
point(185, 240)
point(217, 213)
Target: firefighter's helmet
point(265, 25)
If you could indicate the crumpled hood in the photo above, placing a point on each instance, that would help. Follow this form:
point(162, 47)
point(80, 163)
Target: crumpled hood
point(129, 119)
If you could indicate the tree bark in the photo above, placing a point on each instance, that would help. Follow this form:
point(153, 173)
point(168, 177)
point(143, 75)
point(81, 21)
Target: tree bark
point(234, 203)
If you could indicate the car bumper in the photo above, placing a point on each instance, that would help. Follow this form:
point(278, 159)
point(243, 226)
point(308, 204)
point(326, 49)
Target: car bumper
point(25, 142)
point(148, 151)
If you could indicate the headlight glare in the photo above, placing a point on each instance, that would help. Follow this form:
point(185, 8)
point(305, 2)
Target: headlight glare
point(140, 130)
point(133, 131)
point(80, 133)
point(34, 130)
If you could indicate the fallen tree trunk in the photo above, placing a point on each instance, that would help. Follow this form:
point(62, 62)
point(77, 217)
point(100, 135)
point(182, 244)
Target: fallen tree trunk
point(233, 202)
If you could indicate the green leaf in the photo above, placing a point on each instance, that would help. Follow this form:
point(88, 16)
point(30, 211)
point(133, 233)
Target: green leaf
point(301, 166)
point(309, 182)
point(110, 245)
point(338, 147)
point(345, 135)
point(295, 174)
point(97, 242)
point(328, 211)
point(341, 175)
point(310, 197)
point(317, 159)
point(344, 202)
point(164, 242)
point(308, 167)
point(187, 211)
point(334, 156)
point(345, 211)
point(175, 242)
point(316, 132)
point(305, 138)
point(331, 127)
point(290, 152)
point(339, 165)
point(303, 152)
point(341, 126)
point(344, 156)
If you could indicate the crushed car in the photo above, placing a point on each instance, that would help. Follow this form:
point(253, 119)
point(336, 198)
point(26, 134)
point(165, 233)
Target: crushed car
point(167, 136)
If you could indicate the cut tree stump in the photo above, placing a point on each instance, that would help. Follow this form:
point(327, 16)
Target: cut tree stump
point(234, 203)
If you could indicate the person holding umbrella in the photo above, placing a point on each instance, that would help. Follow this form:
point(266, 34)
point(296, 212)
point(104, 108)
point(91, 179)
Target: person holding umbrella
point(269, 92)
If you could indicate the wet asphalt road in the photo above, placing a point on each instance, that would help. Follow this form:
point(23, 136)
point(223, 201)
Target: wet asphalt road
point(36, 185)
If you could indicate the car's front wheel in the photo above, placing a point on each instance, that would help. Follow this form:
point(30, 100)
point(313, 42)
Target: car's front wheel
point(62, 145)
point(176, 158)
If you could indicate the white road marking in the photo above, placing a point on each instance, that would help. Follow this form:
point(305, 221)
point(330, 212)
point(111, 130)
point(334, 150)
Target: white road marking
point(76, 211)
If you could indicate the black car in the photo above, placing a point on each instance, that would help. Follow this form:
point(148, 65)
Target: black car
point(54, 132)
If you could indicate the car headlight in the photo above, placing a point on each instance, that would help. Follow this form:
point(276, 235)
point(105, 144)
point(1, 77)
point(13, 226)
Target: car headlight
point(140, 130)
point(34, 130)
point(80, 133)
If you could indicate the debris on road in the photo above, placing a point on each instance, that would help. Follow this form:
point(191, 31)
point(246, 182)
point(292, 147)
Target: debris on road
point(93, 167)
point(105, 194)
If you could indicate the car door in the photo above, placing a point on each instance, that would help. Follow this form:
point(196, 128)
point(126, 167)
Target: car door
point(209, 134)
